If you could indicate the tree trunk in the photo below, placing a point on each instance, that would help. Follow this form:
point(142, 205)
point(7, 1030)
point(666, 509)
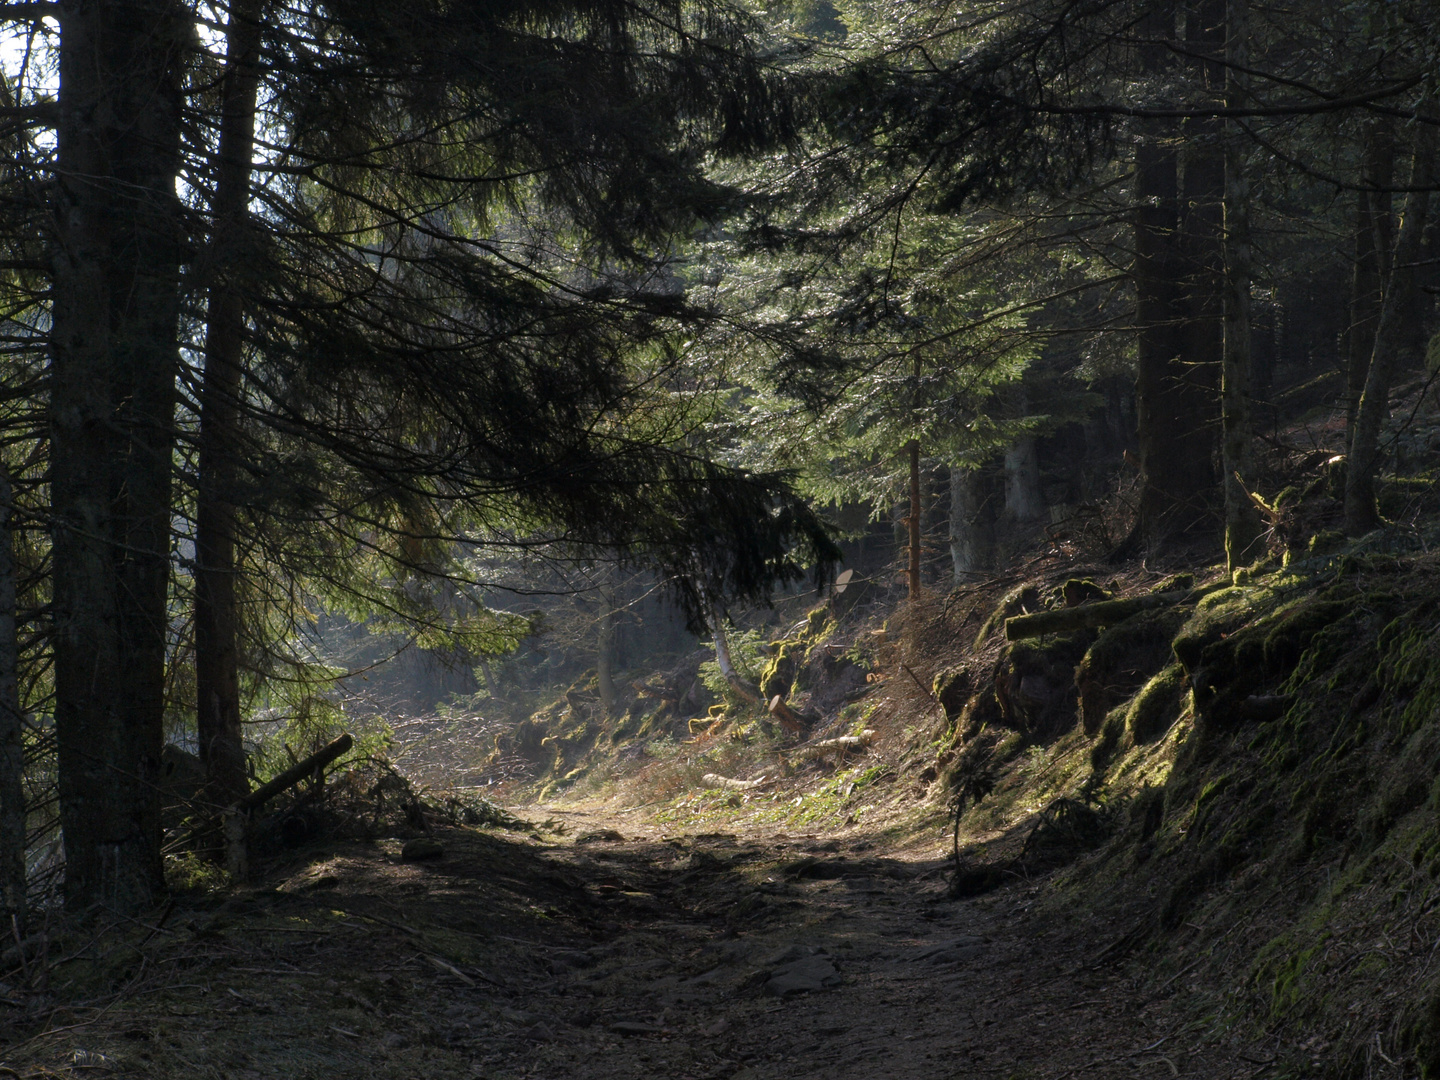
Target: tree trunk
point(1023, 501)
point(116, 266)
point(1161, 407)
point(970, 539)
point(1178, 274)
point(1242, 521)
point(1202, 229)
point(913, 521)
point(1399, 311)
point(1373, 241)
point(742, 686)
point(605, 652)
point(217, 618)
point(486, 673)
point(12, 730)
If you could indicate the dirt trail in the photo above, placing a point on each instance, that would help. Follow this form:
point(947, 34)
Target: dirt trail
point(911, 985)
point(748, 956)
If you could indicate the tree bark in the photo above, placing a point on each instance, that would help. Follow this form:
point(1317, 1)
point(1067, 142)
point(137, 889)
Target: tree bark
point(1373, 242)
point(217, 618)
point(970, 540)
point(12, 730)
point(1399, 311)
point(1164, 410)
point(605, 652)
point(1202, 229)
point(1023, 501)
point(913, 521)
point(1243, 528)
point(118, 243)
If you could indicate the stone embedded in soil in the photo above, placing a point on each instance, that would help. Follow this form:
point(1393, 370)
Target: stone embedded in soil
point(789, 954)
point(635, 1027)
point(422, 847)
point(802, 976)
point(954, 951)
point(574, 959)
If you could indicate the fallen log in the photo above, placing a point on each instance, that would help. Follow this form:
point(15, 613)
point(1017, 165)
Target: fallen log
point(841, 744)
point(725, 783)
point(235, 817)
point(297, 772)
point(1089, 616)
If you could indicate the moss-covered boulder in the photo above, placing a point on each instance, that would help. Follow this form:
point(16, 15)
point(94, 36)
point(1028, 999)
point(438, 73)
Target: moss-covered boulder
point(1159, 704)
point(952, 688)
point(779, 674)
point(1120, 661)
point(1035, 683)
point(1022, 600)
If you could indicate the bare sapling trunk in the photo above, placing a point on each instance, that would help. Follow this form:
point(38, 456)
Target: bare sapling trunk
point(217, 619)
point(1397, 315)
point(743, 687)
point(605, 652)
point(1243, 528)
point(12, 732)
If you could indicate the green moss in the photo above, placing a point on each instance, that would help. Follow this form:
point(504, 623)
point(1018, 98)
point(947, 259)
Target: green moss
point(1021, 600)
point(1293, 631)
point(1157, 705)
point(780, 671)
point(1404, 496)
point(1216, 616)
point(1121, 659)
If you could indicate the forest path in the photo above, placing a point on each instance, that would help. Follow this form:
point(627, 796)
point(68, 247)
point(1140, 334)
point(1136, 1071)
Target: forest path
point(767, 954)
point(623, 948)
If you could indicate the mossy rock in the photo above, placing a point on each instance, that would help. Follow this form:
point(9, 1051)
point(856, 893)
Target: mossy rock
point(1109, 744)
point(1405, 496)
point(1077, 591)
point(1021, 600)
point(1175, 582)
point(1286, 642)
point(1120, 661)
point(952, 689)
point(1326, 542)
point(1216, 617)
point(1158, 705)
point(817, 622)
point(780, 671)
point(1035, 682)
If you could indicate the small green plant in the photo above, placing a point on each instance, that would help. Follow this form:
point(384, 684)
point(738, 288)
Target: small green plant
point(189, 873)
point(747, 653)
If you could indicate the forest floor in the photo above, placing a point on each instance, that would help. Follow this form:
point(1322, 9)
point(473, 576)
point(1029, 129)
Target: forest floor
point(613, 945)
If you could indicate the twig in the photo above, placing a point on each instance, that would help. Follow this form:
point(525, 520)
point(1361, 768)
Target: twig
point(20, 947)
point(160, 922)
point(925, 690)
point(1187, 968)
point(451, 969)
